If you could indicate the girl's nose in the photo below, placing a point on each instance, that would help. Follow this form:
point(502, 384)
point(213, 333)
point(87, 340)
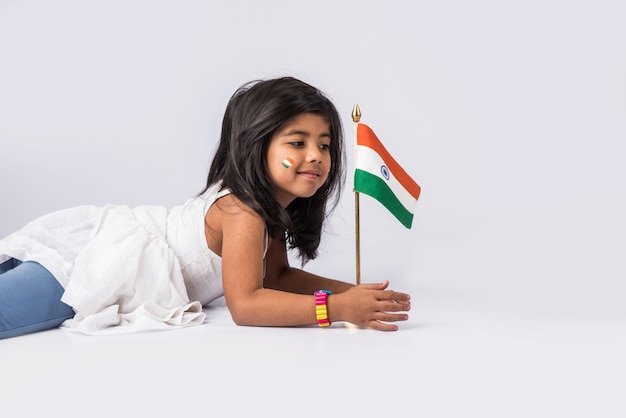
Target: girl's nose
point(314, 154)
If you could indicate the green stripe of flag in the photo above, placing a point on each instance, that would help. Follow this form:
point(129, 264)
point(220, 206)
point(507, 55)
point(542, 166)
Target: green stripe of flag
point(376, 187)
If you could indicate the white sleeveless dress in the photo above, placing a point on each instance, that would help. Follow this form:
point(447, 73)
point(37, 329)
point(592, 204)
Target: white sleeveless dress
point(126, 269)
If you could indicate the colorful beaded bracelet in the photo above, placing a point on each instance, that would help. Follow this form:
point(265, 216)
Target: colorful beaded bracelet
point(321, 311)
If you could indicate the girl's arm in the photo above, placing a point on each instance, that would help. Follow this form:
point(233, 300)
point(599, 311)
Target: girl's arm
point(365, 305)
point(280, 276)
point(285, 297)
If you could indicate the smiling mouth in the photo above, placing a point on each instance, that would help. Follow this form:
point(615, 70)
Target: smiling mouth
point(310, 174)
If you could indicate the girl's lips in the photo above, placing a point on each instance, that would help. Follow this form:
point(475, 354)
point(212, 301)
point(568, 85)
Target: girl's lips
point(310, 174)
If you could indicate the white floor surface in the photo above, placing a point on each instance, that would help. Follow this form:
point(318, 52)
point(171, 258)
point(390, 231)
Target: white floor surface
point(451, 359)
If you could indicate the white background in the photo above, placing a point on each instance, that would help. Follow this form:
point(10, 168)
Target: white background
point(510, 115)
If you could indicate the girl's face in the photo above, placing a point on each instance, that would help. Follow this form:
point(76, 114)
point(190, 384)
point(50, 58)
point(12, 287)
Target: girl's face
point(298, 157)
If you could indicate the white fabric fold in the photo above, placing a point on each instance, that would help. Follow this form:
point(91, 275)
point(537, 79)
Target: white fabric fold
point(127, 278)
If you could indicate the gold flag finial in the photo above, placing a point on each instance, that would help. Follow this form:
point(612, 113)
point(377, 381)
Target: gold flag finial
point(356, 113)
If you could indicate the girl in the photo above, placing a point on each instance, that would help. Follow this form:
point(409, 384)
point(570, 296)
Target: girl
point(275, 177)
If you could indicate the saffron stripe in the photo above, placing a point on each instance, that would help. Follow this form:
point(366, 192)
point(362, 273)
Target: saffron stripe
point(372, 162)
point(367, 137)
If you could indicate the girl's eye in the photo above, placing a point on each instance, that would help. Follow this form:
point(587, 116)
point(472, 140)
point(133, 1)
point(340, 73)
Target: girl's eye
point(325, 147)
point(296, 143)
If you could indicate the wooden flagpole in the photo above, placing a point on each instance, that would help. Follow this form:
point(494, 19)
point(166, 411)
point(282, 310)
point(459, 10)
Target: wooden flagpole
point(356, 117)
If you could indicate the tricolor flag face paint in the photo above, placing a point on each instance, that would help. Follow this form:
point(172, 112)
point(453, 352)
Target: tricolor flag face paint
point(288, 162)
point(377, 174)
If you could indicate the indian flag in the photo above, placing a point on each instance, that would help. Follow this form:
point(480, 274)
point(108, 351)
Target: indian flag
point(378, 175)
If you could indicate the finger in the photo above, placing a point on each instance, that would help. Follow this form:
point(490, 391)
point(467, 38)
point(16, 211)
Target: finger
point(380, 326)
point(390, 317)
point(386, 306)
point(392, 295)
point(401, 297)
point(376, 286)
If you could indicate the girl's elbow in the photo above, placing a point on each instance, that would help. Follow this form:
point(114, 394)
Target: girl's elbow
point(245, 309)
point(240, 314)
point(239, 319)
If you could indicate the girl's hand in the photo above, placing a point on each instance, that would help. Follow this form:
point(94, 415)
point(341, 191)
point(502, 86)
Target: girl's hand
point(370, 305)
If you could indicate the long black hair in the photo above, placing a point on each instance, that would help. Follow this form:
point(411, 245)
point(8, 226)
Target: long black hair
point(255, 112)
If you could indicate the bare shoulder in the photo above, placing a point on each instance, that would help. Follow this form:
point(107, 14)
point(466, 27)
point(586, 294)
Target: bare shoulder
point(242, 246)
point(234, 213)
point(229, 219)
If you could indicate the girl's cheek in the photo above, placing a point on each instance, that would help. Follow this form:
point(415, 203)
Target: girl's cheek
point(287, 162)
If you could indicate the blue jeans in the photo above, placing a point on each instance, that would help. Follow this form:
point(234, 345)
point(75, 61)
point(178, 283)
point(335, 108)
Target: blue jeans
point(30, 299)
